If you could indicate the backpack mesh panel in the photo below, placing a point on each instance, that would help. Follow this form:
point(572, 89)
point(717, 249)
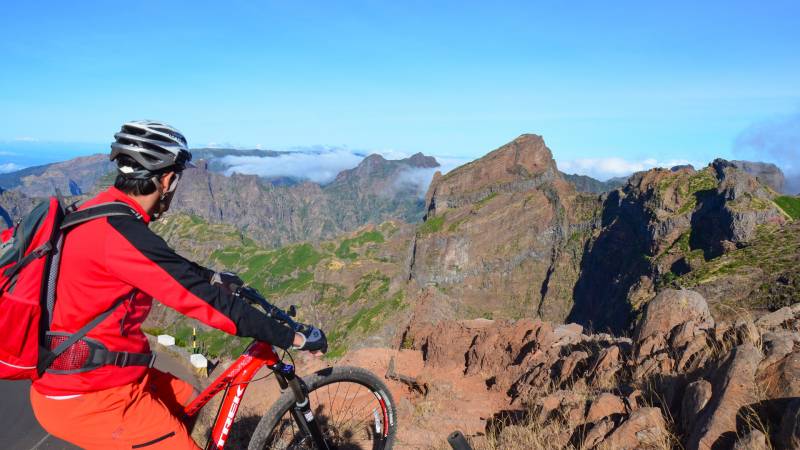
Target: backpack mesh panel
point(74, 357)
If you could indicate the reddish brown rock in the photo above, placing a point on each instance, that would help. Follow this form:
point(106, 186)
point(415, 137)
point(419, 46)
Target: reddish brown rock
point(696, 397)
point(604, 406)
point(671, 308)
point(605, 368)
point(571, 366)
point(733, 388)
point(644, 427)
point(597, 434)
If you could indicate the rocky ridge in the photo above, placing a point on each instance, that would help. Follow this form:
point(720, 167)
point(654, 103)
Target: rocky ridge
point(682, 379)
point(373, 192)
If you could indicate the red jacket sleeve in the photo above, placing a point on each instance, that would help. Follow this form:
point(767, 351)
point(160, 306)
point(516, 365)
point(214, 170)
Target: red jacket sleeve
point(142, 259)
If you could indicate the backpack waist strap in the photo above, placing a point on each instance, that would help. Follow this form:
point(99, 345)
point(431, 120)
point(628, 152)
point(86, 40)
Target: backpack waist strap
point(87, 354)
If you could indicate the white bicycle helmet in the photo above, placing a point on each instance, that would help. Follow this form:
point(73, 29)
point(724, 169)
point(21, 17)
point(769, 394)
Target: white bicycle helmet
point(155, 146)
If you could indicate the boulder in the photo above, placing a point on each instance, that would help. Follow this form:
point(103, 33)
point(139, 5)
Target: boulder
point(604, 406)
point(784, 380)
point(733, 387)
point(696, 397)
point(597, 433)
point(605, 368)
point(645, 427)
point(571, 366)
point(777, 344)
point(671, 308)
point(775, 319)
point(754, 440)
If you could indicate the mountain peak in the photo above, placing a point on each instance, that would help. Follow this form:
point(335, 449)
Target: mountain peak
point(524, 159)
point(421, 160)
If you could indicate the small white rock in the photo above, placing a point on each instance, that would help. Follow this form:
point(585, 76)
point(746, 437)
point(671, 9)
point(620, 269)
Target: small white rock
point(198, 361)
point(166, 340)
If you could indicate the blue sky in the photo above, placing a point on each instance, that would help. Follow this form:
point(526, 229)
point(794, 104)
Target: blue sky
point(609, 85)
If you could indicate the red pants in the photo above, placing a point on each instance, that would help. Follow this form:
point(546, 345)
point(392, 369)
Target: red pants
point(138, 415)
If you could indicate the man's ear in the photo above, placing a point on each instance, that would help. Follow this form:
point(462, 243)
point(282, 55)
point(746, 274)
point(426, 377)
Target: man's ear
point(166, 180)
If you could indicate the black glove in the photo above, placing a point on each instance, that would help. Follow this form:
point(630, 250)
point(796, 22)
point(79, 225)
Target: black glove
point(314, 340)
point(227, 280)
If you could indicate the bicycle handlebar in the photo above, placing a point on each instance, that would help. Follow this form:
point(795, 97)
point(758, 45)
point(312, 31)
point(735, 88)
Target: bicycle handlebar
point(272, 311)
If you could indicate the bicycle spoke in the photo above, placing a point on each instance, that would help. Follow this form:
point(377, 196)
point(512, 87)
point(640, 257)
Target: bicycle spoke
point(350, 417)
point(341, 406)
point(355, 417)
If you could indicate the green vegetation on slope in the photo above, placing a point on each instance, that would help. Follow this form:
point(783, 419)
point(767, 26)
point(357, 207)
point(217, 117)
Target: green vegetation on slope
point(344, 251)
point(366, 320)
point(773, 257)
point(348, 311)
point(790, 205)
point(431, 225)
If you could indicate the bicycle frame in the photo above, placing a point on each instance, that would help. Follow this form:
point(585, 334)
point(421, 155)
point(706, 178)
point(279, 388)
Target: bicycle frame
point(234, 381)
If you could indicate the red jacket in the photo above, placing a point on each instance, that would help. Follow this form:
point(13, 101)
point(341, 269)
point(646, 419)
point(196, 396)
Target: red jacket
point(119, 256)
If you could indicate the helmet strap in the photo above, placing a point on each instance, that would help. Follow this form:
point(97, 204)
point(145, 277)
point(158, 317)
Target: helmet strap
point(165, 197)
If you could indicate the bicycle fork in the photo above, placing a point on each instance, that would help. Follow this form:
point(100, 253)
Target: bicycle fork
point(301, 412)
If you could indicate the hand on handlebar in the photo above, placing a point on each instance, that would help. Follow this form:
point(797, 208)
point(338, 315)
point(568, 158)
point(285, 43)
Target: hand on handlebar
point(311, 339)
point(306, 337)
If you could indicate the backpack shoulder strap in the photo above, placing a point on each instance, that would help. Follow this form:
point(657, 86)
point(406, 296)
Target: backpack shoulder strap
point(95, 212)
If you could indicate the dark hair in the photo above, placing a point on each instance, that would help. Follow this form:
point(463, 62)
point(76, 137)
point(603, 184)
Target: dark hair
point(133, 186)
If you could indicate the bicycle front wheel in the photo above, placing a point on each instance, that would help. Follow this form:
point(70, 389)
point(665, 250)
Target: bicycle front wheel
point(352, 407)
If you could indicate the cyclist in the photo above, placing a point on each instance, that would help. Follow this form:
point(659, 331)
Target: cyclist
point(125, 403)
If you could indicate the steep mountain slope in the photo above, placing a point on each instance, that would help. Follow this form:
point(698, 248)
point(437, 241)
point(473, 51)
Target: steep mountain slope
point(353, 286)
point(375, 191)
point(656, 227)
point(13, 205)
point(504, 234)
point(73, 177)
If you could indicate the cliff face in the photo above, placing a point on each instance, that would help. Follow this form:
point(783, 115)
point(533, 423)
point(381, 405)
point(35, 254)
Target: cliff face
point(657, 228)
point(73, 177)
point(375, 191)
point(13, 205)
point(768, 174)
point(502, 233)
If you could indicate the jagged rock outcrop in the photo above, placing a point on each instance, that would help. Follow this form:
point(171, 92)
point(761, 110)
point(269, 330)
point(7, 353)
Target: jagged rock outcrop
point(73, 177)
point(504, 233)
point(720, 384)
point(375, 191)
point(653, 229)
point(733, 388)
point(767, 173)
point(13, 205)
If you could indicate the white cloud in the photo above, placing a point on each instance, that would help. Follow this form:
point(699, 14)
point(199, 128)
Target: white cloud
point(321, 164)
point(9, 167)
point(605, 168)
point(6, 153)
point(315, 164)
point(420, 179)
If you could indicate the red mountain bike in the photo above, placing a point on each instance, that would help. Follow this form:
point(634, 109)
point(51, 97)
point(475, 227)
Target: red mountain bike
point(335, 408)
